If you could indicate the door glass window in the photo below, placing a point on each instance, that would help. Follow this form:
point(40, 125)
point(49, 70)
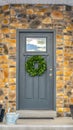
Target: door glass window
point(35, 44)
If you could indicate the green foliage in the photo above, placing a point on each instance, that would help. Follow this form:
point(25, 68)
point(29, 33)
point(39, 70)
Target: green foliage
point(30, 65)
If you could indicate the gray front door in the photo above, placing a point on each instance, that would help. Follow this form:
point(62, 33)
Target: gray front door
point(36, 92)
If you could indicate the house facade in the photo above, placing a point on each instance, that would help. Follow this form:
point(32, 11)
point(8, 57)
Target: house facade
point(37, 16)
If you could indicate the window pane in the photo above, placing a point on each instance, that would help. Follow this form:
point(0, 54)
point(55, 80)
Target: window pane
point(36, 44)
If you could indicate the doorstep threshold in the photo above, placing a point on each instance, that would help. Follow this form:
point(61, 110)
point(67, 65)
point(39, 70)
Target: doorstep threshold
point(36, 114)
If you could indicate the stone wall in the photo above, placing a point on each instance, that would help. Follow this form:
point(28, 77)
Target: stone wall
point(57, 17)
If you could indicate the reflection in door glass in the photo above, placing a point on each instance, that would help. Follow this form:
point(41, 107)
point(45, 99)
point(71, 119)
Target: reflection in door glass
point(36, 44)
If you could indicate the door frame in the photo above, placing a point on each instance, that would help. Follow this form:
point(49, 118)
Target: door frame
point(18, 31)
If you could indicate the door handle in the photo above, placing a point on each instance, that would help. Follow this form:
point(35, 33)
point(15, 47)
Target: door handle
point(50, 69)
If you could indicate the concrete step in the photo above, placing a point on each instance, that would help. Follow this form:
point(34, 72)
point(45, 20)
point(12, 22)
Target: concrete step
point(36, 113)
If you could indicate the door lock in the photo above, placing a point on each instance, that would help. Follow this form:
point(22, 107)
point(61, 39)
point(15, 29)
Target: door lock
point(50, 75)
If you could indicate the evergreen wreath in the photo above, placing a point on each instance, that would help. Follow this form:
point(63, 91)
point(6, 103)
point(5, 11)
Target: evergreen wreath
point(32, 62)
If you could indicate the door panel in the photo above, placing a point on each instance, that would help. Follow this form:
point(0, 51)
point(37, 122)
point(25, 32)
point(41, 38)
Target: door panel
point(36, 92)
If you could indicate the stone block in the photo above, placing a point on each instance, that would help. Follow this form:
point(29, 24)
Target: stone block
point(5, 22)
point(46, 21)
point(57, 14)
point(5, 8)
point(12, 96)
